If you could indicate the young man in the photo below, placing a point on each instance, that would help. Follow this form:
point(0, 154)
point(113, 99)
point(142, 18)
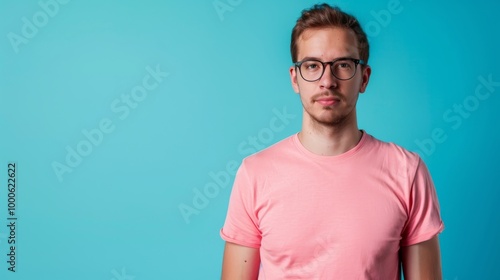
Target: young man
point(331, 202)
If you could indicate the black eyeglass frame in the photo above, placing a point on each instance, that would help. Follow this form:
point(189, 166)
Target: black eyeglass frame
point(356, 63)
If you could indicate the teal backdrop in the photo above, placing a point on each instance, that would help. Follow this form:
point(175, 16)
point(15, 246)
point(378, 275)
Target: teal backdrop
point(127, 119)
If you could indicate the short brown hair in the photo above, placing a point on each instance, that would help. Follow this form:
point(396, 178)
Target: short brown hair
point(323, 15)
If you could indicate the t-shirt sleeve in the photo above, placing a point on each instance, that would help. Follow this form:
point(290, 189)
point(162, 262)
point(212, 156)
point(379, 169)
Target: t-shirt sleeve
point(241, 225)
point(424, 218)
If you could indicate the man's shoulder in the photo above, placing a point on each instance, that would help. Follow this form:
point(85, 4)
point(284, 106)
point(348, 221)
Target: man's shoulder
point(394, 152)
point(277, 150)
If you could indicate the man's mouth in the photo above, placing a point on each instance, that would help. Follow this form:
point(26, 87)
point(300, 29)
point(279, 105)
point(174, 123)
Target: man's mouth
point(327, 101)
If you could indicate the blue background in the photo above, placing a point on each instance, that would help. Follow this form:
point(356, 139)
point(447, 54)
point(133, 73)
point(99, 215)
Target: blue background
point(116, 215)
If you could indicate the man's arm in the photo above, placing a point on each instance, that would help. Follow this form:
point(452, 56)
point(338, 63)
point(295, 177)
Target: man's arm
point(240, 262)
point(422, 261)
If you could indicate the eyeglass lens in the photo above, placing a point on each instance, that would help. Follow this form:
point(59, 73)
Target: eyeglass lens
point(312, 70)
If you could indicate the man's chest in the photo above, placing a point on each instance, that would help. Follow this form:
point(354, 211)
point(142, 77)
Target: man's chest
point(328, 218)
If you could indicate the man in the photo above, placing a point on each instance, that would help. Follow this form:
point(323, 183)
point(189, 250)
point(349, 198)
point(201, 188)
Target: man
point(331, 202)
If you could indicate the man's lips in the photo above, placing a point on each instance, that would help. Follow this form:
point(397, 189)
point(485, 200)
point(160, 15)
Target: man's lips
point(326, 101)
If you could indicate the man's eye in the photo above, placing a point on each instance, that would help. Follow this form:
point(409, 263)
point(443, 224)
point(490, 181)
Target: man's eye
point(344, 65)
point(311, 66)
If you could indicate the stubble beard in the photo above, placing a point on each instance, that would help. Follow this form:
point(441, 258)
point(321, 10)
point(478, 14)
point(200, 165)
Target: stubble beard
point(335, 121)
point(331, 118)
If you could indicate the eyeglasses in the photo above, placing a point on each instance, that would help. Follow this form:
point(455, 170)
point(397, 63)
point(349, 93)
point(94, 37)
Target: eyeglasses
point(343, 68)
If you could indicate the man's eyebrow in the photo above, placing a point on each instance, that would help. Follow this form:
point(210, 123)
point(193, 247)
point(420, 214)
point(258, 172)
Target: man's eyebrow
point(317, 58)
point(310, 58)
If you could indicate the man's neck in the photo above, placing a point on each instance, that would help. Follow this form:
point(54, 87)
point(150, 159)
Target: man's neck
point(330, 140)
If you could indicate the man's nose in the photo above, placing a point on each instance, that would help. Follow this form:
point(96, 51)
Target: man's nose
point(328, 80)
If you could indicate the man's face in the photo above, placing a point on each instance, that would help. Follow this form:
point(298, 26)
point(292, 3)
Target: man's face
point(329, 101)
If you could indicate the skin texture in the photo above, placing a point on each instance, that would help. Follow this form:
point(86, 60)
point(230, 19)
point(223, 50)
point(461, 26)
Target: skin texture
point(331, 130)
point(240, 262)
point(422, 260)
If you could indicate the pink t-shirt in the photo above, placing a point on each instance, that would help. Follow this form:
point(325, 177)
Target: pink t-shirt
point(332, 217)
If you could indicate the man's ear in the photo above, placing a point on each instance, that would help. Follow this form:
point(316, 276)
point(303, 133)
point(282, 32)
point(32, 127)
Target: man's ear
point(293, 78)
point(367, 71)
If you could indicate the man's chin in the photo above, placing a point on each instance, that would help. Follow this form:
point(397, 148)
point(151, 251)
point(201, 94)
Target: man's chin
point(329, 120)
point(327, 117)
